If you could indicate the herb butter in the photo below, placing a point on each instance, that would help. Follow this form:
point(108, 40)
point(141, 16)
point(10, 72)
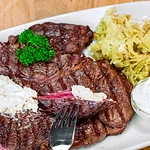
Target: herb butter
point(14, 98)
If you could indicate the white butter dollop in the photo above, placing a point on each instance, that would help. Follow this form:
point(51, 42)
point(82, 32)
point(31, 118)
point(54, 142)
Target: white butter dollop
point(14, 98)
point(87, 94)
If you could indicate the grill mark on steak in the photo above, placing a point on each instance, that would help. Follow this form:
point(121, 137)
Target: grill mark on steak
point(57, 86)
point(101, 84)
point(80, 76)
point(126, 83)
point(13, 67)
point(21, 140)
point(114, 117)
point(93, 75)
point(39, 133)
point(1, 126)
point(3, 54)
point(52, 69)
point(85, 132)
point(50, 87)
point(63, 85)
point(23, 137)
point(4, 133)
point(117, 119)
point(114, 131)
point(35, 127)
point(25, 133)
point(30, 138)
point(8, 129)
point(66, 59)
point(19, 135)
point(13, 138)
point(24, 72)
point(69, 80)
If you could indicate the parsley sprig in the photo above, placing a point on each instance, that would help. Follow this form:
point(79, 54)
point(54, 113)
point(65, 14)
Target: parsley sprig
point(37, 48)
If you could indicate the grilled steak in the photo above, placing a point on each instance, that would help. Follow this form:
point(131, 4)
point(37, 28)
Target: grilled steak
point(31, 131)
point(53, 102)
point(27, 131)
point(88, 132)
point(65, 38)
point(60, 74)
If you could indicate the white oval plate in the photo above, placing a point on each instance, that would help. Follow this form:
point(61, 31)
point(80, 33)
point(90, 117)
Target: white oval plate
point(137, 133)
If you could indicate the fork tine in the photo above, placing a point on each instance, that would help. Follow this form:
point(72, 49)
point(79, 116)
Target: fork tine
point(56, 118)
point(75, 116)
point(66, 122)
point(63, 134)
point(72, 117)
point(59, 113)
point(62, 119)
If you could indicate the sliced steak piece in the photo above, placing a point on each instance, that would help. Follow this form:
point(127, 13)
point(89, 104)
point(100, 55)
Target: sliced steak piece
point(53, 102)
point(27, 131)
point(65, 38)
point(30, 131)
point(88, 132)
point(122, 111)
point(105, 79)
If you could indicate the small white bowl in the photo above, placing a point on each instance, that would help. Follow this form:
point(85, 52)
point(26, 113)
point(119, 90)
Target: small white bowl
point(141, 112)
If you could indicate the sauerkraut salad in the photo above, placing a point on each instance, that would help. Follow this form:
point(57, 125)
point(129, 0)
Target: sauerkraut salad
point(125, 43)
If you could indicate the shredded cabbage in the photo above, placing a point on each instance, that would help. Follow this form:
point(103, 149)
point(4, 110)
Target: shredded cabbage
point(125, 43)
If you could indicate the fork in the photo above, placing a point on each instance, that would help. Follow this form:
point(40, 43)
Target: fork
point(63, 129)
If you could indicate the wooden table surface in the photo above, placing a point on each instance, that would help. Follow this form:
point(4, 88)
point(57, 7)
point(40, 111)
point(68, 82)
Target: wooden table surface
point(16, 12)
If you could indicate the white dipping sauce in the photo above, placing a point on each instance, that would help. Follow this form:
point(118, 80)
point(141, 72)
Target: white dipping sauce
point(14, 98)
point(141, 95)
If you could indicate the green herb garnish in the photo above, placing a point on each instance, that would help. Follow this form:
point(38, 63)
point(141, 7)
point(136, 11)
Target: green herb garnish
point(37, 48)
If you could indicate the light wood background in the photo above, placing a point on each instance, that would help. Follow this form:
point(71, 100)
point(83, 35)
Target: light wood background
point(16, 12)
